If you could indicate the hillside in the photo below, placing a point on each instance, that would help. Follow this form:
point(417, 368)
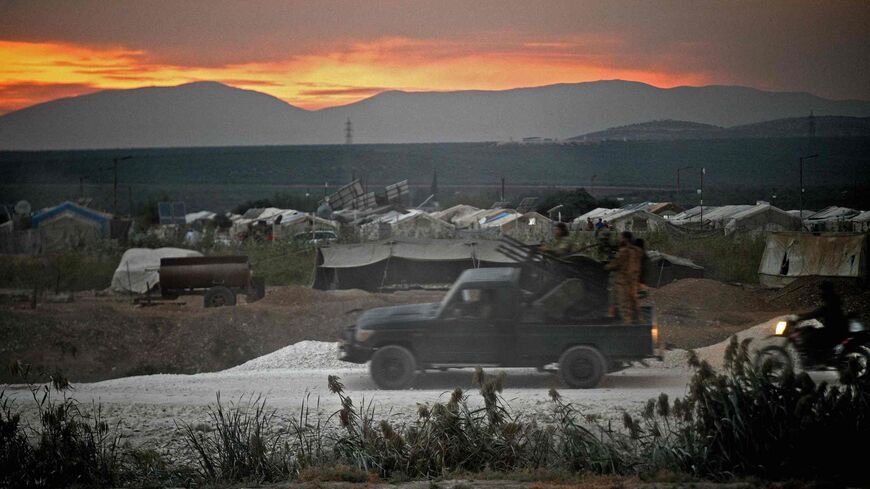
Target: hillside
point(212, 114)
point(793, 127)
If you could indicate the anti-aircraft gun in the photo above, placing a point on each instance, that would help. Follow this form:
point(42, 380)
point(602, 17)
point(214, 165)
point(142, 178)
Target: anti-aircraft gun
point(561, 287)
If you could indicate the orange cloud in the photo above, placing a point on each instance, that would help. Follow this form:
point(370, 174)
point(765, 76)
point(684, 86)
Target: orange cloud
point(35, 72)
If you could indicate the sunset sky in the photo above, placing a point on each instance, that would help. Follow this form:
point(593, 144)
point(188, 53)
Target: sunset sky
point(323, 53)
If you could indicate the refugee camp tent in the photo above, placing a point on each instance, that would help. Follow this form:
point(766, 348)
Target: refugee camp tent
point(297, 223)
point(759, 219)
point(455, 212)
point(790, 255)
point(861, 222)
point(412, 223)
point(529, 227)
point(830, 219)
point(634, 220)
point(70, 225)
point(402, 263)
point(137, 270)
point(663, 269)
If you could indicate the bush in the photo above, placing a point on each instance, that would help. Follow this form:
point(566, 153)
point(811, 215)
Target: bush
point(238, 448)
point(71, 445)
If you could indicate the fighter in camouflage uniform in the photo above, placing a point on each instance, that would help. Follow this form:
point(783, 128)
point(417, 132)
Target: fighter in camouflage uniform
point(626, 267)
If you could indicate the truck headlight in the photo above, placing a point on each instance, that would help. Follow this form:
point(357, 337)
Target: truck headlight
point(780, 328)
point(361, 335)
point(655, 335)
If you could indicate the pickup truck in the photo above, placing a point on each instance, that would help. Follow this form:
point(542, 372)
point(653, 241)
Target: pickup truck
point(485, 320)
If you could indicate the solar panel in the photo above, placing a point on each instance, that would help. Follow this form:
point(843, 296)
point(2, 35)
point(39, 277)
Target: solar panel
point(366, 201)
point(527, 204)
point(171, 213)
point(344, 197)
point(397, 190)
point(500, 205)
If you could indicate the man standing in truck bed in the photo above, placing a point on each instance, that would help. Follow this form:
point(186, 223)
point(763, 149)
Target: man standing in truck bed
point(626, 266)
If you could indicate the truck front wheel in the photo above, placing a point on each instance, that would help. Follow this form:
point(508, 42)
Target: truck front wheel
point(393, 367)
point(582, 367)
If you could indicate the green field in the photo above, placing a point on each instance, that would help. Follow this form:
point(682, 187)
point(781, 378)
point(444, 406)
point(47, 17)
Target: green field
point(219, 178)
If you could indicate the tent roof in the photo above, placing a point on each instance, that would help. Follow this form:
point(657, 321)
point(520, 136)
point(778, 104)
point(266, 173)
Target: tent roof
point(196, 216)
point(862, 217)
point(595, 214)
point(833, 213)
point(675, 260)
point(358, 255)
point(68, 206)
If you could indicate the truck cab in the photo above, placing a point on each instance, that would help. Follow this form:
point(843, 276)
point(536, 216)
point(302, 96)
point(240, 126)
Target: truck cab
point(487, 320)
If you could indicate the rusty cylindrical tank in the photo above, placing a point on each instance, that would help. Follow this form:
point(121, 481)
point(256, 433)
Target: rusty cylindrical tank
point(203, 272)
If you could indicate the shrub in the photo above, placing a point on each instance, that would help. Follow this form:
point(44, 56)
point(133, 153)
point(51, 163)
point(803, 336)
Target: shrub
point(239, 448)
point(71, 445)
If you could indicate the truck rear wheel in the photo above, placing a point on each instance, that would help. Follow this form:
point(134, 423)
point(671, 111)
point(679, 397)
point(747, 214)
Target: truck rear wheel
point(582, 367)
point(219, 296)
point(393, 367)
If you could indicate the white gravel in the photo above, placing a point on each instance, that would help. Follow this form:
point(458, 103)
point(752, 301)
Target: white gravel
point(303, 355)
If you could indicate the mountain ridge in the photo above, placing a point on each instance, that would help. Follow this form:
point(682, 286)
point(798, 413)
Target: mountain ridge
point(210, 113)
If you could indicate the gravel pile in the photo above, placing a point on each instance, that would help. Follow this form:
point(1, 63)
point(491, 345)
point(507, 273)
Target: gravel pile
point(303, 355)
point(715, 354)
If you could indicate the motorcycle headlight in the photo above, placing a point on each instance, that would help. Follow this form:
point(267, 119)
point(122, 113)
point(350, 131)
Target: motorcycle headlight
point(361, 335)
point(780, 328)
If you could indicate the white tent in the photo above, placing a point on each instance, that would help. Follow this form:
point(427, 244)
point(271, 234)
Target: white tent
point(137, 271)
point(788, 256)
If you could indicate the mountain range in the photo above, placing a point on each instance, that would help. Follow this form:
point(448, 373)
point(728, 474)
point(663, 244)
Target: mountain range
point(830, 126)
point(214, 114)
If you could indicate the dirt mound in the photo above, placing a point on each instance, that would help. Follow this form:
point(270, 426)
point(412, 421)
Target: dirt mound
point(694, 313)
point(98, 338)
point(803, 295)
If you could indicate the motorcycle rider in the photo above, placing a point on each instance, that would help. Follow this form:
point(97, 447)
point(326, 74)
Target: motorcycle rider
point(830, 314)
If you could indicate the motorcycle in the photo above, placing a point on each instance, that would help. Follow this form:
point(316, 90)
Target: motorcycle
point(798, 335)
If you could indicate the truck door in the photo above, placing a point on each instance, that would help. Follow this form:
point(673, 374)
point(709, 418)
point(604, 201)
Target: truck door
point(472, 330)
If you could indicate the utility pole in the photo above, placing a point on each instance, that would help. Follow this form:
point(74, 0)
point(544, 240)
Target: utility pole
point(82, 187)
point(802, 158)
point(502, 189)
point(701, 191)
point(115, 185)
point(348, 132)
point(592, 184)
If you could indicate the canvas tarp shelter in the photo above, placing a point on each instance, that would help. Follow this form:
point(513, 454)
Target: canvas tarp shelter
point(137, 271)
point(663, 269)
point(375, 265)
point(788, 256)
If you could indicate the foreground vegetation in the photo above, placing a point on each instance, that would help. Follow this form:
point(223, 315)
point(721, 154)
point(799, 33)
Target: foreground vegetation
point(731, 425)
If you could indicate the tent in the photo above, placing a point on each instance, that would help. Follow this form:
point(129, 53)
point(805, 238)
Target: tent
point(137, 271)
point(664, 269)
point(788, 256)
point(70, 225)
point(761, 218)
point(831, 219)
point(861, 222)
point(402, 263)
point(529, 227)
